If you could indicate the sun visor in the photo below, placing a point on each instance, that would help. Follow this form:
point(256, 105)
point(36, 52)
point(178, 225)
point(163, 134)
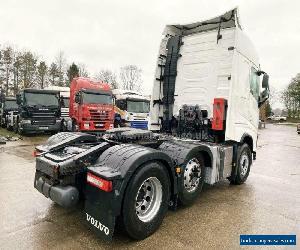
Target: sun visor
point(227, 20)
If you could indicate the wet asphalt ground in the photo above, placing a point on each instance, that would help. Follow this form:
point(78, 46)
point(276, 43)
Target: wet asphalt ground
point(268, 203)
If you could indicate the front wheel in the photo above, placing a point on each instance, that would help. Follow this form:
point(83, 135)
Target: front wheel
point(75, 127)
point(146, 200)
point(244, 162)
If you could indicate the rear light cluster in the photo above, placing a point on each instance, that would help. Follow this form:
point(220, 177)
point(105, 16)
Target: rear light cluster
point(98, 182)
point(36, 153)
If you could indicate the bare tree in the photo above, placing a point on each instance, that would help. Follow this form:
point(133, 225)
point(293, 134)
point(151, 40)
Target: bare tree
point(106, 75)
point(53, 73)
point(82, 70)
point(131, 77)
point(8, 65)
point(2, 78)
point(16, 71)
point(291, 97)
point(41, 73)
point(60, 61)
point(28, 69)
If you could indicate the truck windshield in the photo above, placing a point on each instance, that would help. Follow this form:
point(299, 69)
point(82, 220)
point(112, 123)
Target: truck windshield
point(96, 98)
point(138, 106)
point(41, 99)
point(65, 103)
point(11, 104)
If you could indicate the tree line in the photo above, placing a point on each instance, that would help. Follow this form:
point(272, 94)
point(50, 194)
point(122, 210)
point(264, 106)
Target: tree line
point(25, 69)
point(291, 97)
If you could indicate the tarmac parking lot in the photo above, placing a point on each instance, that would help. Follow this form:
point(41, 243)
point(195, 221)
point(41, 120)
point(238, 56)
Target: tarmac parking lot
point(268, 203)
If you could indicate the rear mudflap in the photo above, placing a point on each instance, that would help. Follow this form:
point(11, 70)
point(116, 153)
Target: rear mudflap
point(99, 213)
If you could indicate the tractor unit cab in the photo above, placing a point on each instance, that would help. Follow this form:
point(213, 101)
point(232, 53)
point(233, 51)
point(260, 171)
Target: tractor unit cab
point(207, 84)
point(39, 111)
point(91, 105)
point(7, 106)
point(64, 92)
point(132, 109)
point(205, 101)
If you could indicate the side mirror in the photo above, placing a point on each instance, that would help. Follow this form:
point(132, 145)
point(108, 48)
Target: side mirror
point(18, 99)
point(265, 81)
point(264, 96)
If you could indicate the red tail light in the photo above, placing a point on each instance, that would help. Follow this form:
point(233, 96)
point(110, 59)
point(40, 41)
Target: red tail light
point(98, 182)
point(219, 113)
point(36, 153)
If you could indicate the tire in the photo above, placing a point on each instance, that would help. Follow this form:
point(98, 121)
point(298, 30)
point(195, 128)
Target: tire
point(192, 180)
point(244, 162)
point(151, 180)
point(74, 126)
point(63, 127)
point(17, 129)
point(16, 126)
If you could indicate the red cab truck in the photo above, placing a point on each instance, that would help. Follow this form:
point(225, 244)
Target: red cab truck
point(91, 105)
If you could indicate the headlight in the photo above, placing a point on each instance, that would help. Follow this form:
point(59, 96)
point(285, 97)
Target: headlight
point(86, 125)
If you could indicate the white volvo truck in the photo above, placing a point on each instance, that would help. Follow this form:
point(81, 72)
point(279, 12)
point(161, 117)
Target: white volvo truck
point(66, 121)
point(204, 108)
point(131, 109)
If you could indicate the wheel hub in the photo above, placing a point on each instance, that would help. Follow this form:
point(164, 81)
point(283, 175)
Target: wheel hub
point(192, 175)
point(148, 199)
point(244, 163)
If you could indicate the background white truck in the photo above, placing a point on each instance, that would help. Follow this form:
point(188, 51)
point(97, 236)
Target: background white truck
point(206, 95)
point(66, 122)
point(132, 108)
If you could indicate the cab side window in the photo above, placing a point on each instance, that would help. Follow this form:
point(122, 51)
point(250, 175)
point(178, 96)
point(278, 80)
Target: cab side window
point(121, 104)
point(254, 83)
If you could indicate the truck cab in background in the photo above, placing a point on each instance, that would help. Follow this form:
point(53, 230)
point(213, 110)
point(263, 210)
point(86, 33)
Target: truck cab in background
point(8, 107)
point(66, 122)
point(38, 111)
point(133, 109)
point(91, 105)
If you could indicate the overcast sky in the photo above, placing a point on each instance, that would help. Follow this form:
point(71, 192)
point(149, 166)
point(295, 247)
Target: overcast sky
point(111, 33)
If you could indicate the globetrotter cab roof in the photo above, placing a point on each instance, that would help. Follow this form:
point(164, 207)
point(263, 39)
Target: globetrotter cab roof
point(229, 19)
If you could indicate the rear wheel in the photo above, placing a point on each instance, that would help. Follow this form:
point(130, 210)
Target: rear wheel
point(192, 180)
point(244, 162)
point(146, 201)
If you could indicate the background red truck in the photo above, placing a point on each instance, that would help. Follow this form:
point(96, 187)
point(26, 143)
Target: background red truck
point(91, 105)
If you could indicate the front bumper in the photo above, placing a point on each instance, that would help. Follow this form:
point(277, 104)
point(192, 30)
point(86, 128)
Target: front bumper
point(139, 124)
point(34, 128)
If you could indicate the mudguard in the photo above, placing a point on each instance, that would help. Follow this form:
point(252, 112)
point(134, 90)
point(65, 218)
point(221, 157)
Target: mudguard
point(64, 138)
point(118, 163)
point(98, 212)
point(180, 150)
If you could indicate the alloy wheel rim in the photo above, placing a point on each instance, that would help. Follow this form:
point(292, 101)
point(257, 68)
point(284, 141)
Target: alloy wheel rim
point(148, 199)
point(192, 175)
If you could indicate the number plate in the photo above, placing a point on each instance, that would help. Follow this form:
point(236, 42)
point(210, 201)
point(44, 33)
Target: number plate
point(43, 128)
